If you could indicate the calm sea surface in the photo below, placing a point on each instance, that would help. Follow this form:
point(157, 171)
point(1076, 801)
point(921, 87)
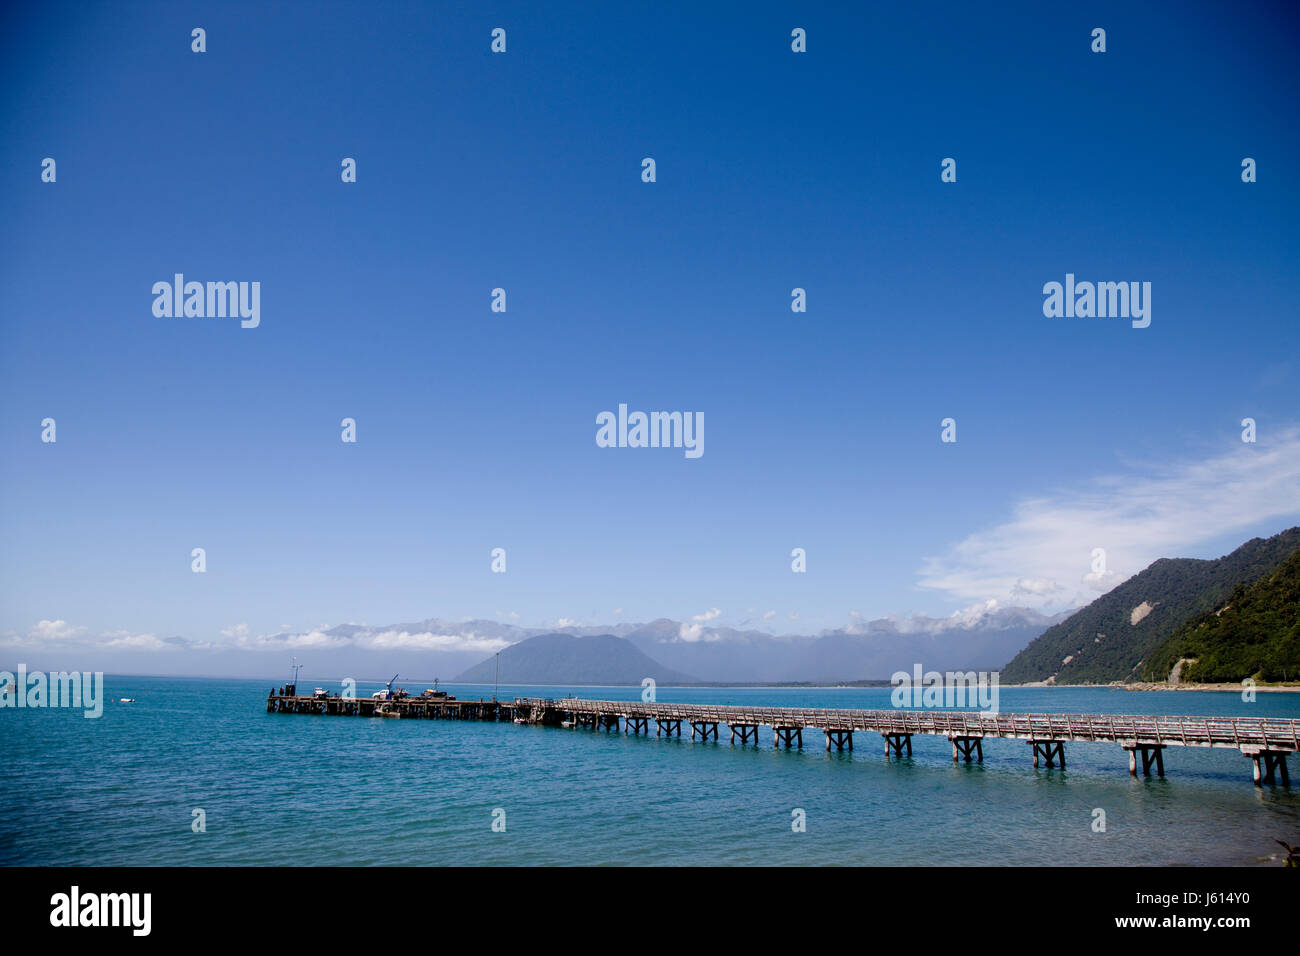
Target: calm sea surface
point(287, 789)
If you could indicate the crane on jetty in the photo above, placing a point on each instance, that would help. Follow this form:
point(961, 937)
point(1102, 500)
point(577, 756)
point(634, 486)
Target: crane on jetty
point(387, 693)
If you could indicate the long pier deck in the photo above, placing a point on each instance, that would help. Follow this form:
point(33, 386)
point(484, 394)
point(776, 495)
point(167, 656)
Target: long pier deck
point(1266, 741)
point(1180, 731)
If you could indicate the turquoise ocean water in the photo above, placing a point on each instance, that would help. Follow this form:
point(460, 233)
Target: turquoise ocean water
point(289, 789)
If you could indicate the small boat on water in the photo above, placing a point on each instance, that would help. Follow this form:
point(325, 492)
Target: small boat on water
point(126, 700)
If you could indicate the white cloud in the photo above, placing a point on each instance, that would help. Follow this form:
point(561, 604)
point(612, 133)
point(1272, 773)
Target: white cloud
point(1034, 588)
point(1044, 549)
point(428, 641)
point(312, 638)
point(693, 633)
point(48, 634)
point(1102, 580)
point(376, 641)
point(54, 631)
point(124, 640)
point(973, 615)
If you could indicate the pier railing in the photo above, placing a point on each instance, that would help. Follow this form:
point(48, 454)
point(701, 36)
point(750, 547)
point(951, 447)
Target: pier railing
point(1268, 732)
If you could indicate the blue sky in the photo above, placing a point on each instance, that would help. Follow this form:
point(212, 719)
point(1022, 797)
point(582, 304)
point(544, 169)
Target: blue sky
point(521, 170)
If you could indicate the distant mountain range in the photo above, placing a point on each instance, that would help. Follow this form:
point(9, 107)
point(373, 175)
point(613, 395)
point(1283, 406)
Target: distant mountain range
point(566, 659)
point(873, 650)
point(690, 653)
point(1160, 615)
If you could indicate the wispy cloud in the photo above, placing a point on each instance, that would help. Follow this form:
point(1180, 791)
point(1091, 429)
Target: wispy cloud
point(1045, 551)
point(125, 640)
point(428, 641)
point(696, 632)
point(376, 640)
point(46, 635)
point(51, 634)
point(55, 631)
point(315, 638)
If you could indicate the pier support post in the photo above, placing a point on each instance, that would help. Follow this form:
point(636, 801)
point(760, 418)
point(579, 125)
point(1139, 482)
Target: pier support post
point(897, 743)
point(1151, 753)
point(747, 732)
point(1269, 764)
point(705, 729)
point(842, 738)
point(1051, 751)
point(964, 746)
point(669, 726)
point(790, 736)
point(636, 725)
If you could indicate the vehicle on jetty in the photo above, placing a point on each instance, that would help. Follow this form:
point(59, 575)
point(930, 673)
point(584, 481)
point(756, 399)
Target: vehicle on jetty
point(432, 693)
point(388, 693)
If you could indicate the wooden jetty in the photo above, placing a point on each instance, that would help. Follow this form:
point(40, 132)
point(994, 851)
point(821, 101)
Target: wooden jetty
point(1267, 742)
point(418, 708)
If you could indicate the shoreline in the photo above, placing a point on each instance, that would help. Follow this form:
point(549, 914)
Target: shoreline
point(1288, 688)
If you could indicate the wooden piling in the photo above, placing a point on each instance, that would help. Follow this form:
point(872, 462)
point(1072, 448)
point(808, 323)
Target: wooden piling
point(1051, 751)
point(896, 743)
point(1268, 765)
point(965, 745)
